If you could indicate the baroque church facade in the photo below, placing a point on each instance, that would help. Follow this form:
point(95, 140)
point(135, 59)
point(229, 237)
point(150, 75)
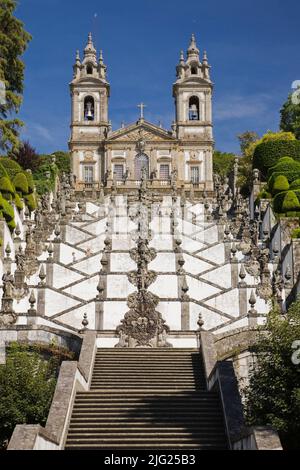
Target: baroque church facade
point(180, 157)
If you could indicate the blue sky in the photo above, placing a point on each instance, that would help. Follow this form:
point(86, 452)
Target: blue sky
point(253, 48)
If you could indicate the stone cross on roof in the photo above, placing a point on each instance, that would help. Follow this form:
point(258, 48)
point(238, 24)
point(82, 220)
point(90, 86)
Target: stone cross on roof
point(142, 106)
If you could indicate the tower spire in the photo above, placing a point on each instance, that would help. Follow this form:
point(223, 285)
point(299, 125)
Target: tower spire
point(90, 49)
point(193, 50)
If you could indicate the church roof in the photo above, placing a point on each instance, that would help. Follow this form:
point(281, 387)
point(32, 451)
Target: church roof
point(141, 129)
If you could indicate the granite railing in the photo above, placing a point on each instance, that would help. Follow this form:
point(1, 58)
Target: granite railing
point(73, 376)
point(220, 376)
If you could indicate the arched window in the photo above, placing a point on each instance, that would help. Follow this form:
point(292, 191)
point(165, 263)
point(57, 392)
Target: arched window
point(89, 69)
point(89, 108)
point(194, 114)
point(141, 161)
point(194, 70)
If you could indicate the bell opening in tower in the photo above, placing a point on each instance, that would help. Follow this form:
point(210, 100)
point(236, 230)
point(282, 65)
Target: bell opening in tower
point(194, 108)
point(89, 109)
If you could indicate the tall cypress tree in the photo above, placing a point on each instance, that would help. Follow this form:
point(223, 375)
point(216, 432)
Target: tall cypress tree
point(13, 43)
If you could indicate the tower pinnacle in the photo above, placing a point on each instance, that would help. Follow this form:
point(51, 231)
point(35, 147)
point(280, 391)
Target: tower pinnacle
point(193, 50)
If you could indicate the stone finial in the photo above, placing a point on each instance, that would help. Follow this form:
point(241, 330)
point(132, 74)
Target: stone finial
point(233, 251)
point(227, 231)
point(193, 49)
point(8, 251)
point(184, 288)
point(57, 233)
point(275, 248)
point(17, 232)
point(50, 252)
point(242, 273)
point(200, 322)
point(288, 274)
point(42, 275)
point(32, 302)
point(101, 288)
point(252, 302)
point(85, 322)
point(26, 213)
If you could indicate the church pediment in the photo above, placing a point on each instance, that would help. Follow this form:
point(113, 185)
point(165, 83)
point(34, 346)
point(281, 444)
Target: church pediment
point(141, 131)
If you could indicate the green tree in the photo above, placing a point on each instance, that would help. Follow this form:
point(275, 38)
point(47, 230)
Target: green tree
point(246, 139)
point(290, 116)
point(223, 163)
point(273, 395)
point(27, 384)
point(13, 43)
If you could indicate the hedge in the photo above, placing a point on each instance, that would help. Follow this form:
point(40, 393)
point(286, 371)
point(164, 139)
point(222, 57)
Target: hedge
point(280, 184)
point(19, 204)
point(43, 186)
point(11, 225)
point(290, 202)
point(6, 188)
point(21, 184)
point(267, 154)
point(295, 184)
point(29, 181)
point(278, 201)
point(30, 202)
point(3, 171)
point(296, 233)
point(12, 167)
point(290, 169)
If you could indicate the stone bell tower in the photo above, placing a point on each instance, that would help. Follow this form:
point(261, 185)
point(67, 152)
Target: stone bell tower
point(89, 125)
point(192, 92)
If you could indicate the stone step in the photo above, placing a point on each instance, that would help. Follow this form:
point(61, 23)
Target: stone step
point(124, 413)
point(215, 446)
point(146, 439)
point(166, 373)
point(161, 435)
point(149, 393)
point(143, 401)
point(141, 426)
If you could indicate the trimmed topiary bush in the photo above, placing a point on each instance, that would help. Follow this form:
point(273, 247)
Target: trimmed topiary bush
point(8, 211)
point(12, 167)
point(3, 171)
point(30, 201)
point(280, 184)
point(267, 154)
point(290, 202)
point(278, 201)
point(6, 188)
point(294, 214)
point(296, 233)
point(19, 204)
point(11, 225)
point(30, 181)
point(295, 184)
point(21, 184)
point(288, 168)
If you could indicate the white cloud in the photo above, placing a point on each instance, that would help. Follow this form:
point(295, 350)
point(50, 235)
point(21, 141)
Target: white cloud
point(34, 130)
point(238, 106)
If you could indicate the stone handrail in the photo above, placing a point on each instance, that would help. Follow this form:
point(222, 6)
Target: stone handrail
point(73, 376)
point(220, 376)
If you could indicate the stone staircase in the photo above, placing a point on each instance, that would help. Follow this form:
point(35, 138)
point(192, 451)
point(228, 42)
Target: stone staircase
point(147, 399)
